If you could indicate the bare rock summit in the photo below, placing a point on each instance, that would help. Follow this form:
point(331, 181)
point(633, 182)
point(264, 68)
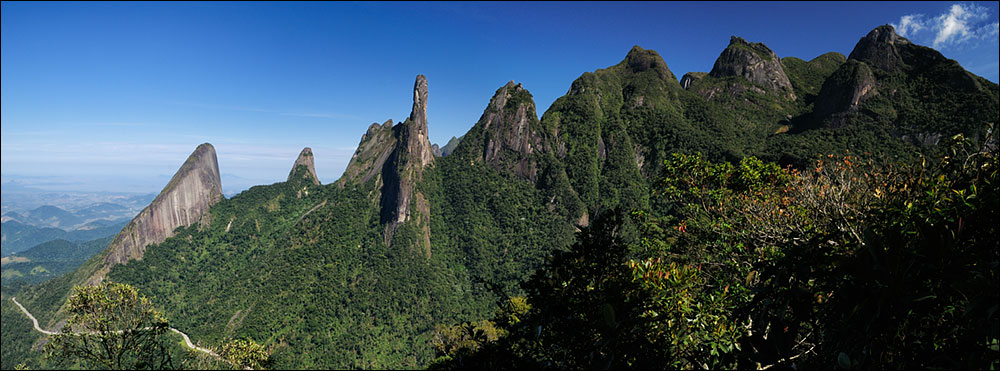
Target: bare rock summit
point(304, 167)
point(194, 188)
point(508, 134)
point(755, 62)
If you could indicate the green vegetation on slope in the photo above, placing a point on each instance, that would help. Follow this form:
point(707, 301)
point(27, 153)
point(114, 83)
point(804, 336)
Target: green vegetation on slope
point(846, 265)
point(20, 237)
point(50, 259)
point(312, 278)
point(733, 261)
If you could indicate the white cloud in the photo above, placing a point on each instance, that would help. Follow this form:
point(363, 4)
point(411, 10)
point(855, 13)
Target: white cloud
point(989, 31)
point(960, 24)
point(956, 26)
point(909, 24)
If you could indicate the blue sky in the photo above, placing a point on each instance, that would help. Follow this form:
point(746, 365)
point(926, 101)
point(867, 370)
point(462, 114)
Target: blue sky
point(114, 96)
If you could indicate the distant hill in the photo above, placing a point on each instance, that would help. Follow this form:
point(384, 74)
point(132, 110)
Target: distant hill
point(358, 273)
point(18, 236)
point(49, 259)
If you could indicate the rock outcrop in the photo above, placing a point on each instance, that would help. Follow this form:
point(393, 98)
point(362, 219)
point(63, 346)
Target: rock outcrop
point(376, 145)
point(640, 60)
point(844, 92)
point(755, 62)
point(508, 134)
point(184, 201)
point(691, 77)
point(879, 49)
point(304, 167)
point(395, 157)
point(414, 140)
point(451, 145)
point(884, 64)
point(882, 48)
point(405, 167)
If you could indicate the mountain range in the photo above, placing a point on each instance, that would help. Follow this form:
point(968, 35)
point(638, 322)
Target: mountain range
point(357, 273)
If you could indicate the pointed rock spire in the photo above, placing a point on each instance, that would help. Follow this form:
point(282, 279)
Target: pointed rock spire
point(415, 135)
point(187, 197)
point(305, 160)
point(412, 154)
point(755, 62)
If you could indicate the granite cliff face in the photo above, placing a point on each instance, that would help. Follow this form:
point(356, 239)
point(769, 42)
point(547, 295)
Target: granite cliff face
point(305, 159)
point(405, 167)
point(187, 197)
point(508, 134)
point(395, 158)
point(376, 145)
point(755, 62)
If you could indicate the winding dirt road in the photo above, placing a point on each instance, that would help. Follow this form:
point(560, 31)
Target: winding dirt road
point(187, 340)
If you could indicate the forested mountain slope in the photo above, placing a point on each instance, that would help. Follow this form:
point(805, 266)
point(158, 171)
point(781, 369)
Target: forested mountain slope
point(358, 273)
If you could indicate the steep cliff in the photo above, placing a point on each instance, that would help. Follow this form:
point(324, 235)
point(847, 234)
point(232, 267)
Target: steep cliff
point(404, 169)
point(411, 155)
point(187, 197)
point(376, 145)
point(394, 157)
point(881, 48)
point(691, 77)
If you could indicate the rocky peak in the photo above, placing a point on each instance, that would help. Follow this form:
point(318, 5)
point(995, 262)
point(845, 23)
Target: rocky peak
point(405, 166)
point(755, 62)
point(450, 146)
point(186, 198)
point(509, 133)
point(882, 48)
point(415, 128)
point(640, 60)
point(305, 159)
point(879, 49)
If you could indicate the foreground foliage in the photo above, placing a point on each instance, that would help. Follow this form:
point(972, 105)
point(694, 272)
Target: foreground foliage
point(850, 264)
point(111, 326)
